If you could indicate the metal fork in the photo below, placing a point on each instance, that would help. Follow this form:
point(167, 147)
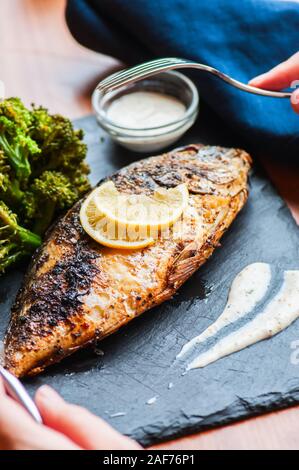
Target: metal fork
point(147, 69)
point(16, 390)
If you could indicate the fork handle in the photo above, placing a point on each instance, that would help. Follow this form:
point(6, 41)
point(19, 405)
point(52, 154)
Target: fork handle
point(233, 82)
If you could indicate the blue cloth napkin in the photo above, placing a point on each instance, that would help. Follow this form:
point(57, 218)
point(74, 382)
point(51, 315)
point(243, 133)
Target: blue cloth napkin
point(242, 38)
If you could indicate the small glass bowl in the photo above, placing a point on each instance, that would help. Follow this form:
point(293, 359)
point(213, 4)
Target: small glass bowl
point(154, 138)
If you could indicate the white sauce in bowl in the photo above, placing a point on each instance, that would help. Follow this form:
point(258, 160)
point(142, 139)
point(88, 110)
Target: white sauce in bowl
point(280, 313)
point(247, 289)
point(145, 109)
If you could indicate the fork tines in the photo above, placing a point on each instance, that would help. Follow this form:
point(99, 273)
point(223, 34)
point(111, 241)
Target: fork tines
point(142, 70)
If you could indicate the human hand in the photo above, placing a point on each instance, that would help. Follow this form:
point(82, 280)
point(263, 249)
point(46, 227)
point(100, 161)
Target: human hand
point(281, 77)
point(66, 426)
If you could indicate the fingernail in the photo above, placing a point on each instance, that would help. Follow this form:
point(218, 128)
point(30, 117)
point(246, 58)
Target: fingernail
point(295, 96)
point(295, 100)
point(48, 394)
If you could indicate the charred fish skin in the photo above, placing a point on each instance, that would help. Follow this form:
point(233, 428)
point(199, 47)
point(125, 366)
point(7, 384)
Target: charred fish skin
point(77, 291)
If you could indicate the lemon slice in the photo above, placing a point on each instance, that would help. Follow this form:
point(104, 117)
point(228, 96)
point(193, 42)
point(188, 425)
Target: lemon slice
point(105, 232)
point(133, 211)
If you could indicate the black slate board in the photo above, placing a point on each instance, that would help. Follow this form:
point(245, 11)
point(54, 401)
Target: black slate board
point(139, 361)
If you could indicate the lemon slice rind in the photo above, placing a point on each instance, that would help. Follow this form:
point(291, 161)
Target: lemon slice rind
point(160, 211)
point(89, 217)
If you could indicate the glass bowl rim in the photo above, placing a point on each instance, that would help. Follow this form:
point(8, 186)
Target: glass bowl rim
point(97, 96)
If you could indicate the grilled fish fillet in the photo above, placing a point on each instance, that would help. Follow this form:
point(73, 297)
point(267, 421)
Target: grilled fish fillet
point(77, 291)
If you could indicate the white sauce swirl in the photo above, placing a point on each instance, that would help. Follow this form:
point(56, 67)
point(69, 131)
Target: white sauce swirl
point(280, 313)
point(247, 289)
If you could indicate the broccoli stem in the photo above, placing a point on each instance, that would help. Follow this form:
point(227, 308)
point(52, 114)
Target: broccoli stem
point(12, 252)
point(15, 190)
point(42, 223)
point(17, 158)
point(29, 239)
point(13, 195)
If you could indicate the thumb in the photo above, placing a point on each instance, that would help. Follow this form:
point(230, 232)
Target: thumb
point(81, 426)
point(280, 76)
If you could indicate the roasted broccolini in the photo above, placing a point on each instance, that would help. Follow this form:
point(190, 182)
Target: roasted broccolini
point(42, 173)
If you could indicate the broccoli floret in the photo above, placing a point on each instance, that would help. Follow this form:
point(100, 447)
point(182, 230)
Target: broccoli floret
point(56, 187)
point(10, 191)
point(51, 193)
point(16, 112)
point(15, 142)
point(16, 242)
point(42, 171)
point(62, 146)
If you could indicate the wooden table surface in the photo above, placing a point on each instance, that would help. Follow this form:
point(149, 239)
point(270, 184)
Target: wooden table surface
point(40, 62)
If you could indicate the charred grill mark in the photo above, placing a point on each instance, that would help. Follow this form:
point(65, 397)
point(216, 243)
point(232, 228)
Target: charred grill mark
point(41, 260)
point(193, 165)
point(198, 165)
point(56, 295)
point(168, 178)
point(133, 180)
point(69, 230)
